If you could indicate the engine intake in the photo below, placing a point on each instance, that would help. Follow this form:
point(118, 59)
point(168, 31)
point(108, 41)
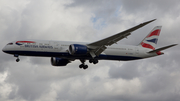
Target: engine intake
point(55, 61)
point(77, 49)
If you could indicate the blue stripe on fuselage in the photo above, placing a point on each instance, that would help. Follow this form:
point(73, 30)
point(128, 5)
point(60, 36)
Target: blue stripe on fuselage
point(67, 55)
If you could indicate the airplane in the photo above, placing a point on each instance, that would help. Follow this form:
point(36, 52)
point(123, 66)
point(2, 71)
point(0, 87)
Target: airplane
point(63, 52)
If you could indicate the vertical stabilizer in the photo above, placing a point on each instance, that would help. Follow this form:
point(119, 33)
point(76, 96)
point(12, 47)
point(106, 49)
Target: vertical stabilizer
point(151, 39)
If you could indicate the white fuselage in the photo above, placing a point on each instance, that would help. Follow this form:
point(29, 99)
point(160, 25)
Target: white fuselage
point(61, 49)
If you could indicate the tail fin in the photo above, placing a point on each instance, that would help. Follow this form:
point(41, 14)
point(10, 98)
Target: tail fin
point(151, 39)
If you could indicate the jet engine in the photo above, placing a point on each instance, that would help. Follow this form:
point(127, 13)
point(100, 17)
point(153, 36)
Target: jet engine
point(55, 61)
point(77, 49)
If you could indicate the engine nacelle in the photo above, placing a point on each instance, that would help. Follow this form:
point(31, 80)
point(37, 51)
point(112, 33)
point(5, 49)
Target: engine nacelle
point(55, 61)
point(77, 49)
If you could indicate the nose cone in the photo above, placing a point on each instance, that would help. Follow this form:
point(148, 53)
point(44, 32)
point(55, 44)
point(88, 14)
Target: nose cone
point(8, 48)
point(4, 50)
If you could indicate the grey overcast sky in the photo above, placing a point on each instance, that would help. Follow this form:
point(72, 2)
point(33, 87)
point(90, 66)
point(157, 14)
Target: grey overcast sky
point(34, 79)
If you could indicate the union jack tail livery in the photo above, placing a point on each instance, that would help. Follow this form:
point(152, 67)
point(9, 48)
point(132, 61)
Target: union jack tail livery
point(151, 39)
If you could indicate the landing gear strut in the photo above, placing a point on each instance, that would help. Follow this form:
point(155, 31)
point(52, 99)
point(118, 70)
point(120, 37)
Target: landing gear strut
point(16, 55)
point(83, 64)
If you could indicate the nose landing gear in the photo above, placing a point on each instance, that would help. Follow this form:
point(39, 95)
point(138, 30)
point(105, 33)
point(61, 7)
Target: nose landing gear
point(16, 55)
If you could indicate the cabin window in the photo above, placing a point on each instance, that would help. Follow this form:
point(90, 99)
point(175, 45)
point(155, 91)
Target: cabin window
point(46, 44)
point(64, 45)
point(33, 43)
point(10, 43)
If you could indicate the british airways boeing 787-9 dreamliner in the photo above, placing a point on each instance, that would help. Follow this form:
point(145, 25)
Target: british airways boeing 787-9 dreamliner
point(62, 52)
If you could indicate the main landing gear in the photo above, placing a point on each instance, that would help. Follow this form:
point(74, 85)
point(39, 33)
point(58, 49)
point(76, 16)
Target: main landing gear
point(16, 55)
point(94, 61)
point(83, 64)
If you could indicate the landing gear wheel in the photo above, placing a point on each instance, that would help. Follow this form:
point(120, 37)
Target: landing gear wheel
point(94, 61)
point(17, 60)
point(85, 67)
point(91, 61)
point(81, 66)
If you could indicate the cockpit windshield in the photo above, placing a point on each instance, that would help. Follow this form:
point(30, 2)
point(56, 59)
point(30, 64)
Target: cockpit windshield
point(10, 43)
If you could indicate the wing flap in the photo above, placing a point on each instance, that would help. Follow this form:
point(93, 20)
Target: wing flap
point(100, 50)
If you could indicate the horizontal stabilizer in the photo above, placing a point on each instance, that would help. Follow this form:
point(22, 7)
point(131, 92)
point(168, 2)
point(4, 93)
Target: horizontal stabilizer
point(163, 48)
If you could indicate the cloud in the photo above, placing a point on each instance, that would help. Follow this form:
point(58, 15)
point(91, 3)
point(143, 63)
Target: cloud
point(34, 79)
point(128, 71)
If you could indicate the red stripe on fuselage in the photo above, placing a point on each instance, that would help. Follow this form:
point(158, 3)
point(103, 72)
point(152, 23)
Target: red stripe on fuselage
point(25, 42)
point(155, 32)
point(145, 45)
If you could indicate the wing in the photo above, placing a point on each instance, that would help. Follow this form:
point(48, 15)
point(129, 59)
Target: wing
point(98, 47)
